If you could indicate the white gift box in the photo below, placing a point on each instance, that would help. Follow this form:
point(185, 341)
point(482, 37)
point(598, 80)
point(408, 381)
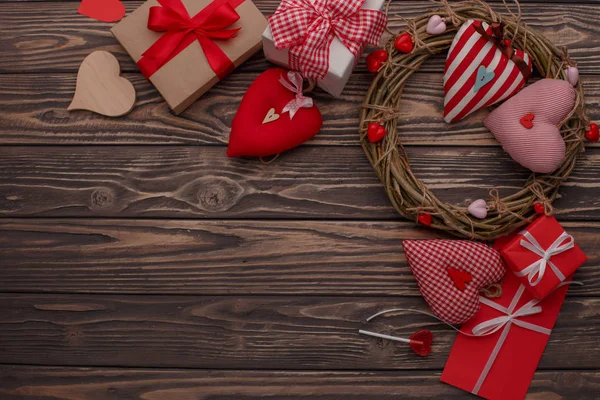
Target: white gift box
point(341, 60)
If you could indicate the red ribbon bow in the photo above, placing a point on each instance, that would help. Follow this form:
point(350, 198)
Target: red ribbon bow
point(308, 27)
point(497, 37)
point(180, 30)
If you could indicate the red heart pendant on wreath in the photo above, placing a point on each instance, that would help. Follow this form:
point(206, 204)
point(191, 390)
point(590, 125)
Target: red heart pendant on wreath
point(273, 116)
point(376, 59)
point(404, 43)
point(477, 264)
point(479, 72)
point(102, 10)
point(375, 132)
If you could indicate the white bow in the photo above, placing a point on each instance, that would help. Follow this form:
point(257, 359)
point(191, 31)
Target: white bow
point(511, 317)
point(536, 270)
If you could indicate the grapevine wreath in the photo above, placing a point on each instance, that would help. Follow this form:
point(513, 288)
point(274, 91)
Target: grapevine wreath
point(408, 194)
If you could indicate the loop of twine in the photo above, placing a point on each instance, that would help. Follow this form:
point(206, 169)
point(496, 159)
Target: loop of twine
point(451, 16)
point(500, 206)
point(384, 114)
point(538, 191)
point(492, 291)
point(267, 162)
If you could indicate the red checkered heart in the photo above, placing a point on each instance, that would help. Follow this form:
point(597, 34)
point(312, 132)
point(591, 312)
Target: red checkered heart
point(477, 73)
point(430, 260)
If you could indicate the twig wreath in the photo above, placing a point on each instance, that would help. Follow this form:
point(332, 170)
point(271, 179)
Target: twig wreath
point(408, 194)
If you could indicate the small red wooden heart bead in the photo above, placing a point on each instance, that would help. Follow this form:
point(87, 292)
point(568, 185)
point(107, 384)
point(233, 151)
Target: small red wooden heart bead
point(507, 42)
point(527, 120)
point(404, 43)
point(375, 132)
point(539, 208)
point(376, 59)
point(593, 133)
point(425, 219)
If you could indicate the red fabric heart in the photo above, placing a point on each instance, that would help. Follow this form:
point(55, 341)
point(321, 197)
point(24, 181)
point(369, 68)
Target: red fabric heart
point(102, 10)
point(527, 120)
point(429, 259)
point(250, 137)
point(460, 278)
point(420, 342)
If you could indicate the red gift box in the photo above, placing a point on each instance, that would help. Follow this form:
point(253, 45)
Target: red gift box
point(511, 333)
point(543, 255)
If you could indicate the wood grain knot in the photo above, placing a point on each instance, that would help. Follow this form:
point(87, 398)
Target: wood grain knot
point(74, 336)
point(103, 198)
point(218, 194)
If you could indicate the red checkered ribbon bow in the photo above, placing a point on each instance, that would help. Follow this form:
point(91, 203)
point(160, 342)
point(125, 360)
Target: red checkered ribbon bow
point(307, 28)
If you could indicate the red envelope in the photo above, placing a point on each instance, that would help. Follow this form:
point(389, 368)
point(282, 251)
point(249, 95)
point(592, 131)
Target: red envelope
point(501, 365)
point(524, 255)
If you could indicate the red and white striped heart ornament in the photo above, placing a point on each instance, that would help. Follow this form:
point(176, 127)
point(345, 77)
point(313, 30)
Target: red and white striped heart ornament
point(450, 274)
point(478, 72)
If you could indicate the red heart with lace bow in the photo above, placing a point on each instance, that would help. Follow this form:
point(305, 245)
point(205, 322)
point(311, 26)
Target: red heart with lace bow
point(261, 127)
point(430, 261)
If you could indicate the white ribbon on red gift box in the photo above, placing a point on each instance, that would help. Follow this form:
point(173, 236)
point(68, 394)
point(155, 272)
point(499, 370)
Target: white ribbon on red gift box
point(563, 243)
point(511, 317)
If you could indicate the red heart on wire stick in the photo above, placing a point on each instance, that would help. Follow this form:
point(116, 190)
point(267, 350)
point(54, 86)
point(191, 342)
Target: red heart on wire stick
point(420, 342)
point(102, 10)
point(262, 128)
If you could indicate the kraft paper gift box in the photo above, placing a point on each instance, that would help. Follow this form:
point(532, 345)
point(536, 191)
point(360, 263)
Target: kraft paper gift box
point(187, 72)
point(500, 364)
point(542, 255)
point(341, 60)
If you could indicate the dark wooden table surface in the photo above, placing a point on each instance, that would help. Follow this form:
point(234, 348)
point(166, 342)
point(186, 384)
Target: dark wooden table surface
point(137, 261)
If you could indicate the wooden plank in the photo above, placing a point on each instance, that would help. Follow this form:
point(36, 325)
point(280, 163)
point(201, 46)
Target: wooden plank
point(227, 257)
point(43, 118)
point(46, 383)
point(52, 36)
point(249, 332)
point(309, 182)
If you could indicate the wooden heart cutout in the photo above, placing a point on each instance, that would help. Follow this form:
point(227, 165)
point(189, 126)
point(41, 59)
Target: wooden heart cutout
point(271, 116)
point(252, 135)
point(101, 89)
point(536, 143)
point(477, 73)
point(102, 10)
point(430, 260)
